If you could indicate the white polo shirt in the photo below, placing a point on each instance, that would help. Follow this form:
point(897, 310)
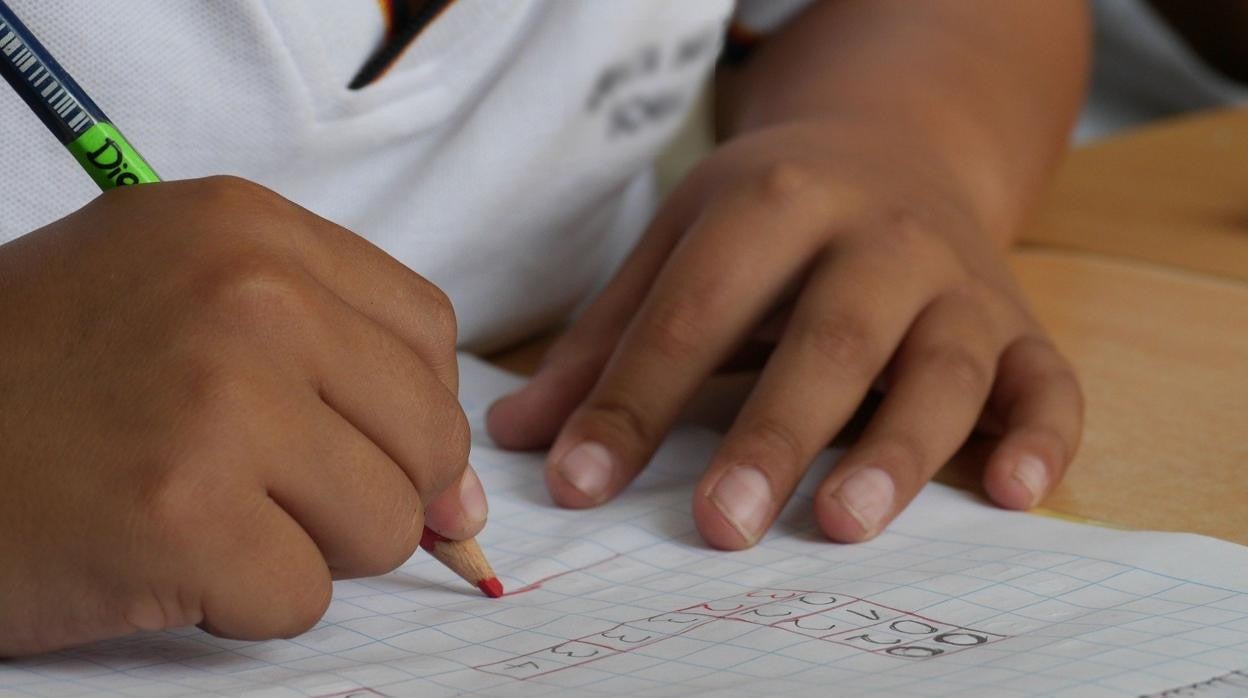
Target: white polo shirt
point(1143, 70)
point(504, 156)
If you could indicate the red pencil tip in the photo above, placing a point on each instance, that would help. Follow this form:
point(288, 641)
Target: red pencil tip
point(491, 587)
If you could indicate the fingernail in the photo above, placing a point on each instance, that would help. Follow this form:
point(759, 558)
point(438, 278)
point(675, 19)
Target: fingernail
point(1033, 476)
point(588, 468)
point(868, 497)
point(472, 497)
point(743, 496)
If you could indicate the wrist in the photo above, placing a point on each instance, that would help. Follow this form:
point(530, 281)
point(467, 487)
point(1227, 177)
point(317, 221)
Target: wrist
point(991, 172)
point(911, 161)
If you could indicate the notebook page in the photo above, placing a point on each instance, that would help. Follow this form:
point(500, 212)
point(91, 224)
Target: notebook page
point(956, 598)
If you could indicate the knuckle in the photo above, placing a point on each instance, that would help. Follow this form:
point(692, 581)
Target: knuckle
point(906, 457)
point(974, 293)
point(176, 499)
point(456, 443)
point(440, 312)
point(990, 304)
point(459, 438)
point(1062, 374)
point(158, 610)
point(904, 235)
point(956, 363)
point(779, 442)
point(789, 184)
point(167, 500)
point(242, 210)
point(199, 467)
point(394, 549)
point(236, 191)
point(1043, 364)
point(841, 340)
point(1063, 379)
point(622, 420)
point(258, 290)
point(445, 461)
point(677, 329)
point(1079, 401)
point(306, 599)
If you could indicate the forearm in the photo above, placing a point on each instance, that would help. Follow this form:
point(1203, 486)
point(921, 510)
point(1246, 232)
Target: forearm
point(988, 88)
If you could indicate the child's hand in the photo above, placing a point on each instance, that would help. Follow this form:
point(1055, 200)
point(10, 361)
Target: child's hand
point(211, 403)
point(870, 265)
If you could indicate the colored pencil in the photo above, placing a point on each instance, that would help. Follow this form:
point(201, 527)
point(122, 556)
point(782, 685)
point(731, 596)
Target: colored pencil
point(66, 109)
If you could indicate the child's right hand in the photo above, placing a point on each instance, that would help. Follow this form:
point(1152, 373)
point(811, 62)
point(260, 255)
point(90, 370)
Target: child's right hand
point(211, 403)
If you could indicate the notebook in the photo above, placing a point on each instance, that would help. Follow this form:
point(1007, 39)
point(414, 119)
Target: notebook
point(956, 598)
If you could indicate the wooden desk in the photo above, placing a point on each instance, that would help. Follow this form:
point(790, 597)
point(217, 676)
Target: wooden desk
point(1174, 194)
point(1138, 265)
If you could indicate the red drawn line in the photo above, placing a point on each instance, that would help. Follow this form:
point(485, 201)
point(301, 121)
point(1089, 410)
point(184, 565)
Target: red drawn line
point(832, 638)
point(538, 584)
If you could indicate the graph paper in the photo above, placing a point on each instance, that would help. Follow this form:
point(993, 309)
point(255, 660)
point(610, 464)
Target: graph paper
point(957, 598)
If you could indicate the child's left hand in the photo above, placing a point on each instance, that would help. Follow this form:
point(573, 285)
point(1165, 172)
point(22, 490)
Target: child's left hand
point(869, 264)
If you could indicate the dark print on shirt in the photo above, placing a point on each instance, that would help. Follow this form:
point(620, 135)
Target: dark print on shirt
point(631, 92)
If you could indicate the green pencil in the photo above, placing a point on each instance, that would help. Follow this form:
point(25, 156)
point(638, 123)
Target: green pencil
point(66, 109)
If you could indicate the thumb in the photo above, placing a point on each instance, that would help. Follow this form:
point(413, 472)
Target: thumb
point(459, 511)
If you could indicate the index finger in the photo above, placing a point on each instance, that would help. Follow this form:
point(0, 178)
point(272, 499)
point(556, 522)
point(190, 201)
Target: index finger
point(368, 279)
point(702, 303)
point(386, 290)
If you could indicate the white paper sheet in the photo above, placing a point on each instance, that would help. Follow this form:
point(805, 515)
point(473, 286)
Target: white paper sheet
point(957, 598)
